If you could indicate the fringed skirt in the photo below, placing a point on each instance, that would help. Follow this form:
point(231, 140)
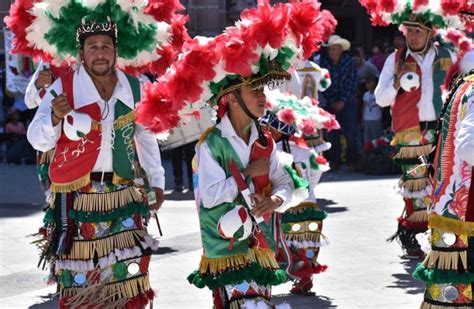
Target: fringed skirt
point(302, 235)
point(413, 148)
point(448, 268)
point(98, 246)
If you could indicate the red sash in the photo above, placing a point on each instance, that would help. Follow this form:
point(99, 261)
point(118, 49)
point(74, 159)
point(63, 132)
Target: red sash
point(405, 110)
point(73, 160)
point(257, 152)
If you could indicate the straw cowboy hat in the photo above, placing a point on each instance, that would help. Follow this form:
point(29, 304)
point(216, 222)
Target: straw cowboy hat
point(337, 40)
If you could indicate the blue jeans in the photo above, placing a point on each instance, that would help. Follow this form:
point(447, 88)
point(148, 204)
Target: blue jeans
point(349, 121)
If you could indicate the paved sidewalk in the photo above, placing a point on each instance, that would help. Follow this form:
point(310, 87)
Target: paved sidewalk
point(364, 270)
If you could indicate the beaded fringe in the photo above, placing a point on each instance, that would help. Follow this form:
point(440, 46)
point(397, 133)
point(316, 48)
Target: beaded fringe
point(88, 249)
point(445, 260)
point(111, 295)
point(418, 216)
point(103, 202)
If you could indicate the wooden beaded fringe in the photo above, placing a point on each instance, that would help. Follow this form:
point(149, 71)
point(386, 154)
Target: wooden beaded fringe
point(445, 260)
point(409, 152)
point(300, 237)
point(107, 201)
point(414, 185)
point(418, 216)
point(102, 295)
point(87, 249)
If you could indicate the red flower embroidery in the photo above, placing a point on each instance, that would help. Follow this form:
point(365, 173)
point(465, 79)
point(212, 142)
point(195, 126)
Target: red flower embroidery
point(459, 202)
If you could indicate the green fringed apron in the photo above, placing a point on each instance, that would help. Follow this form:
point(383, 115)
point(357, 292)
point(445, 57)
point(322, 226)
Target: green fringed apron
point(234, 266)
point(94, 234)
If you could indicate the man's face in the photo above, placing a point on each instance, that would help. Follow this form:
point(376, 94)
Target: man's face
point(98, 54)
point(335, 52)
point(254, 99)
point(417, 38)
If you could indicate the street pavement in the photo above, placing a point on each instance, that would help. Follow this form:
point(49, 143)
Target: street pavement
point(364, 271)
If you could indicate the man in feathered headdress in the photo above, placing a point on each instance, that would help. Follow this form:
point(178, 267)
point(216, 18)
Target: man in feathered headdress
point(240, 186)
point(410, 83)
point(448, 267)
point(104, 163)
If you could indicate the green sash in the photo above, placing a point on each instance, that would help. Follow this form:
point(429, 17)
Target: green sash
point(441, 65)
point(124, 152)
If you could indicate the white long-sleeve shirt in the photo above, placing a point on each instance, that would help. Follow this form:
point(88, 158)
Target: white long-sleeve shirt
point(43, 135)
point(32, 98)
point(215, 188)
point(465, 138)
point(385, 93)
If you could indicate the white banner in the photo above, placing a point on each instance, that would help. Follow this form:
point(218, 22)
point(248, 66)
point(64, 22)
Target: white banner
point(18, 69)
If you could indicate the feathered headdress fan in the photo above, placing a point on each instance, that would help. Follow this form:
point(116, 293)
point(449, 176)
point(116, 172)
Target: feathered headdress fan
point(259, 50)
point(149, 33)
point(424, 13)
point(291, 115)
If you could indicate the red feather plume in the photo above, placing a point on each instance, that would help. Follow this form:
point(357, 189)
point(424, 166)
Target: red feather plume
point(268, 23)
point(163, 9)
point(156, 111)
point(18, 20)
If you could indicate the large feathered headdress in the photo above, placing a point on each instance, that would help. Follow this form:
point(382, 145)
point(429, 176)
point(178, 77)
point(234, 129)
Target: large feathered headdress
point(423, 13)
point(148, 33)
point(291, 115)
point(259, 50)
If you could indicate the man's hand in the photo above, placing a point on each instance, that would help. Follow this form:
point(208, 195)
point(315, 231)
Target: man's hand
point(160, 198)
point(257, 168)
point(59, 108)
point(265, 205)
point(337, 106)
point(44, 79)
point(400, 71)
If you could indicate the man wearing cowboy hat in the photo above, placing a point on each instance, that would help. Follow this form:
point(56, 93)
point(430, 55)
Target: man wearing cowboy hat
point(341, 98)
point(415, 108)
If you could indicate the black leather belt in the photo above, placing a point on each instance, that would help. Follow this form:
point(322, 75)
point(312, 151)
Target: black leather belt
point(428, 125)
point(97, 176)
